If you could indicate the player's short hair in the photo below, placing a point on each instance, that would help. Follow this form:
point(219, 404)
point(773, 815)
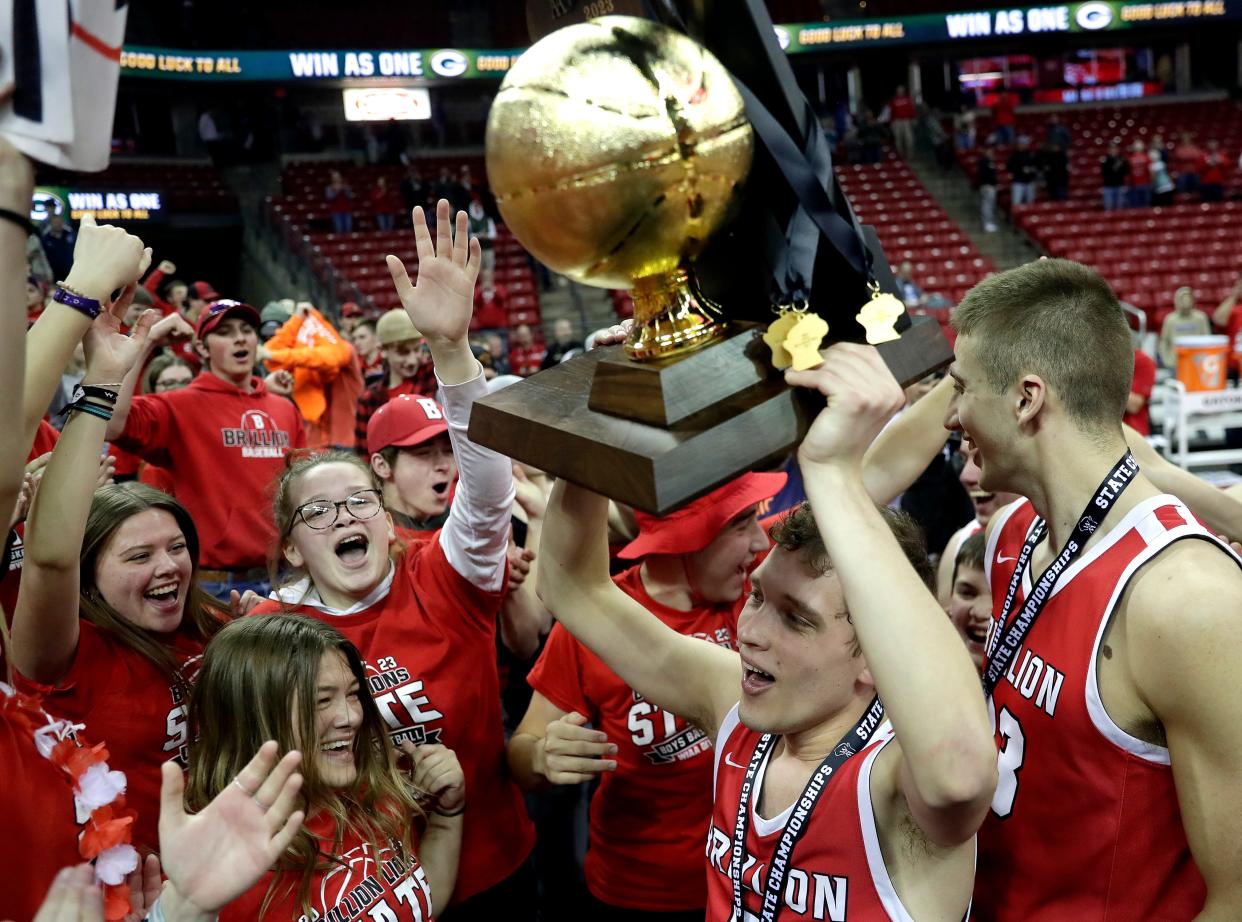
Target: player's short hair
point(798, 532)
point(971, 552)
point(1059, 320)
point(266, 669)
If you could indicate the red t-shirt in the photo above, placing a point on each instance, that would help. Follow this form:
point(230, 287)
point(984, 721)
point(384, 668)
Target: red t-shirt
point(225, 449)
point(1140, 169)
point(430, 652)
point(1085, 822)
point(1233, 329)
point(36, 800)
point(901, 108)
point(525, 360)
point(836, 866)
point(158, 478)
point(133, 707)
point(1212, 170)
point(647, 817)
point(11, 570)
point(1003, 110)
point(363, 885)
point(1144, 380)
point(490, 312)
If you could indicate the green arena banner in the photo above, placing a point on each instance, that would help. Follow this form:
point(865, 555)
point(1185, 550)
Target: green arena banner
point(439, 65)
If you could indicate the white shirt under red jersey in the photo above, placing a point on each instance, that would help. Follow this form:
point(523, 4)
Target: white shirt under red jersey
point(1085, 822)
point(836, 872)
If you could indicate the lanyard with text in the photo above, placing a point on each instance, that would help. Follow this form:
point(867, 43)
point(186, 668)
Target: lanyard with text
point(853, 741)
point(1007, 636)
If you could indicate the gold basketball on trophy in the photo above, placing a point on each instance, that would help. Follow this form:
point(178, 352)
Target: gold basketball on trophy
point(614, 149)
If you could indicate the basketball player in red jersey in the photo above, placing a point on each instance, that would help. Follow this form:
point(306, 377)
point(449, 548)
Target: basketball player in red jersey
point(820, 811)
point(1117, 712)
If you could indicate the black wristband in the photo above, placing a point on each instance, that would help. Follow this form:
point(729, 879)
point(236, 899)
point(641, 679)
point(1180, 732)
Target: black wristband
point(99, 392)
point(20, 220)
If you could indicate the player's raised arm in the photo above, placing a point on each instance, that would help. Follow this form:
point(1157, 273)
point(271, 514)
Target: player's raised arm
point(921, 669)
point(686, 676)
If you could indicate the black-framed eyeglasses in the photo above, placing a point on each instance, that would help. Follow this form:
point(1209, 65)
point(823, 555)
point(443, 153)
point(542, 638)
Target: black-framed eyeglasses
point(323, 513)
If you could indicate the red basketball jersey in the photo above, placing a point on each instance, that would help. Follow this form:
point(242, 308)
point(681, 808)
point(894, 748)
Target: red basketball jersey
point(360, 884)
point(429, 645)
point(647, 817)
point(836, 872)
point(1085, 822)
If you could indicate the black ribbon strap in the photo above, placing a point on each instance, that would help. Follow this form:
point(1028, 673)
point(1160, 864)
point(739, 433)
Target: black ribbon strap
point(1007, 636)
point(799, 819)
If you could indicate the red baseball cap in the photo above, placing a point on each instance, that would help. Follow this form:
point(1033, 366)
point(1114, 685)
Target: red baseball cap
point(215, 314)
point(351, 309)
point(405, 421)
point(204, 291)
point(694, 526)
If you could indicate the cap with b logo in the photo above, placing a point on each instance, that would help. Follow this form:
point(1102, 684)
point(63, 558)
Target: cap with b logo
point(215, 314)
point(405, 421)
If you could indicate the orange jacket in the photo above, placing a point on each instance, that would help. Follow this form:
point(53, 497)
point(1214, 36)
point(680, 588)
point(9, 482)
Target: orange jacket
point(327, 377)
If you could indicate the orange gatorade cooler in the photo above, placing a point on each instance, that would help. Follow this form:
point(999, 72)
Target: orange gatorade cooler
point(1201, 362)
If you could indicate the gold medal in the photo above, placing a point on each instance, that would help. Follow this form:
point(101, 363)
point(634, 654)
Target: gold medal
point(804, 340)
point(879, 317)
point(778, 329)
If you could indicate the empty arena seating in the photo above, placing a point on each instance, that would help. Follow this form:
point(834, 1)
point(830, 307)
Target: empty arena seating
point(912, 226)
point(353, 263)
point(183, 187)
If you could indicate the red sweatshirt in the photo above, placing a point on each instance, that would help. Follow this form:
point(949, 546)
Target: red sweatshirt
point(224, 449)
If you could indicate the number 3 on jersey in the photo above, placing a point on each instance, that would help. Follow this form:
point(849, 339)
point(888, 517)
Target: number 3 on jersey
point(1008, 761)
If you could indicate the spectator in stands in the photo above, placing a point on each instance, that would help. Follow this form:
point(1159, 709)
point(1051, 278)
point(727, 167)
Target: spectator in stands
point(385, 204)
point(351, 314)
point(563, 343)
point(1228, 317)
point(932, 120)
point(871, 137)
point(225, 431)
point(1138, 415)
point(1113, 171)
point(1139, 177)
point(901, 115)
point(446, 186)
point(410, 452)
point(58, 239)
point(166, 373)
point(1057, 134)
point(483, 228)
point(198, 295)
point(367, 345)
point(414, 190)
point(1187, 159)
point(491, 303)
point(525, 355)
point(1054, 165)
point(1004, 117)
point(36, 297)
point(985, 179)
point(964, 129)
point(340, 199)
point(1162, 184)
point(1185, 320)
point(1211, 174)
point(908, 289)
point(36, 259)
point(500, 356)
point(408, 369)
point(1023, 166)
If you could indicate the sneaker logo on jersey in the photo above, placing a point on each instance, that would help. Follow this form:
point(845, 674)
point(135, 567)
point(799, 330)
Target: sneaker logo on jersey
point(1001, 558)
point(678, 741)
point(352, 888)
point(403, 703)
point(729, 760)
point(813, 895)
point(1035, 679)
point(258, 436)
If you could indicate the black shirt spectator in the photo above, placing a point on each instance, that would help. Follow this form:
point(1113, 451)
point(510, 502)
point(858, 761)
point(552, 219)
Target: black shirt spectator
point(985, 170)
point(1055, 165)
point(1114, 169)
point(58, 241)
point(414, 190)
point(1023, 166)
point(562, 343)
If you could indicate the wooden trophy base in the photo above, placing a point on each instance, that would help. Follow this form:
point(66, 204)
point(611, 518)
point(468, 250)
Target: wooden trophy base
point(655, 435)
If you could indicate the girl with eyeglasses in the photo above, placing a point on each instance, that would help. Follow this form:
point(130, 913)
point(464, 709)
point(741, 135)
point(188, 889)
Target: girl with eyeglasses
point(424, 617)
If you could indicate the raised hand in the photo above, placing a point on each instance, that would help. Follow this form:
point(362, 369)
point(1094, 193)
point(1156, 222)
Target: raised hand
point(862, 396)
point(166, 329)
point(219, 853)
point(166, 267)
point(110, 354)
point(279, 383)
point(240, 604)
point(437, 773)
point(571, 753)
point(441, 304)
point(105, 258)
point(120, 307)
point(73, 897)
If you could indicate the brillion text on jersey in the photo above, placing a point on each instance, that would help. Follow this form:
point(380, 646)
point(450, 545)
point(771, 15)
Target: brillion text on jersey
point(812, 894)
point(258, 436)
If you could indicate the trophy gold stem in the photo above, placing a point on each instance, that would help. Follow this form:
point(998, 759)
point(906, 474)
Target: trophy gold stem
point(671, 317)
